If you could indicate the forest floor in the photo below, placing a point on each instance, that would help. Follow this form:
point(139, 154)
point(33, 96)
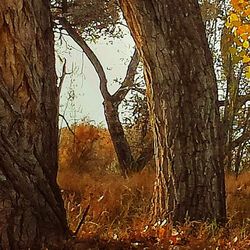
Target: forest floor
point(119, 212)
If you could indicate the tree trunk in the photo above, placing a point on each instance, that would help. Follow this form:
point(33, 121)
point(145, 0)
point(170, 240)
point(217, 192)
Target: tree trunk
point(182, 94)
point(31, 208)
point(128, 165)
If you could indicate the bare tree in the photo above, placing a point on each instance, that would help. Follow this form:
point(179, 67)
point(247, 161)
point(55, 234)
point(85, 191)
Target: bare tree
point(127, 162)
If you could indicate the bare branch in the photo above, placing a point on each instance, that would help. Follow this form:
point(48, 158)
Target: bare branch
point(241, 100)
point(69, 128)
point(128, 81)
point(243, 138)
point(62, 77)
point(139, 90)
point(89, 53)
point(245, 134)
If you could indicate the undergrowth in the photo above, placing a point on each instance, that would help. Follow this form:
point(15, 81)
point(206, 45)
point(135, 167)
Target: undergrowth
point(119, 213)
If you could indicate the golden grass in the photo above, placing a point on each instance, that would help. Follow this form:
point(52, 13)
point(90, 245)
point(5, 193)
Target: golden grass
point(119, 210)
point(238, 200)
point(115, 202)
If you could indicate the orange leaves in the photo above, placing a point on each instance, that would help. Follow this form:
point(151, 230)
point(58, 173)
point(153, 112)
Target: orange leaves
point(238, 25)
point(90, 148)
point(240, 5)
point(243, 31)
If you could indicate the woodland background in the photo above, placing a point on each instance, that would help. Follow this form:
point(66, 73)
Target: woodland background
point(154, 178)
point(90, 173)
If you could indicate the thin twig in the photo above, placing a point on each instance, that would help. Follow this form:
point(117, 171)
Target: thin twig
point(62, 77)
point(82, 220)
point(63, 117)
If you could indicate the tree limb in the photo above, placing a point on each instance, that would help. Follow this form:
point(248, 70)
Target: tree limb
point(244, 137)
point(62, 77)
point(128, 81)
point(89, 53)
point(126, 160)
point(241, 100)
point(67, 124)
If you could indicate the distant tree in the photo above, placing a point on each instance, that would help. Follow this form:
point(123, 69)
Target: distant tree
point(66, 13)
point(182, 97)
point(32, 215)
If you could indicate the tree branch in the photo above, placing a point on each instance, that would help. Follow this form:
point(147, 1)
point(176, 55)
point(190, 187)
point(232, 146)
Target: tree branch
point(128, 81)
point(89, 53)
point(62, 77)
point(241, 100)
point(244, 137)
point(67, 124)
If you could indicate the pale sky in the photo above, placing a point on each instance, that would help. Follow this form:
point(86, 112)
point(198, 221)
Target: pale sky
point(88, 100)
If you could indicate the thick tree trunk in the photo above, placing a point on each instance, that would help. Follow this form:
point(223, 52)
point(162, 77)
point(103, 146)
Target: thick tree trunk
point(170, 37)
point(31, 208)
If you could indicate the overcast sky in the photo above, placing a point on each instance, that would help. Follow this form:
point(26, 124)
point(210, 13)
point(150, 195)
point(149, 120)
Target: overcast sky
point(87, 101)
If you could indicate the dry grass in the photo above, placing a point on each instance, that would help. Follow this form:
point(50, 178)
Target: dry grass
point(238, 196)
point(119, 211)
point(118, 217)
point(115, 203)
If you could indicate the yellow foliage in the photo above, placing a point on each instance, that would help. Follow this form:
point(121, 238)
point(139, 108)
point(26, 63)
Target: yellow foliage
point(245, 59)
point(238, 26)
point(245, 44)
point(239, 17)
point(247, 72)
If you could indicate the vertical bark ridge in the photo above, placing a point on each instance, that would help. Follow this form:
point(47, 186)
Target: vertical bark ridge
point(182, 93)
point(31, 208)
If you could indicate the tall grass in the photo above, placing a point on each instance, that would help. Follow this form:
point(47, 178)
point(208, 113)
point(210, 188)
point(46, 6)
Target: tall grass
point(119, 208)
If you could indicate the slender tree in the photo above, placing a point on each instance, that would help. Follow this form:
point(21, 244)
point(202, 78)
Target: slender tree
point(66, 14)
point(182, 97)
point(31, 208)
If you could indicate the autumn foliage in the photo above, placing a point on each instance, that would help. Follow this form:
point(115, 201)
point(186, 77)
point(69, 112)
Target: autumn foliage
point(238, 24)
point(84, 149)
point(119, 214)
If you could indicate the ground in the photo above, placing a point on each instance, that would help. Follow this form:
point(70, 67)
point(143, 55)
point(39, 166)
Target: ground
point(119, 212)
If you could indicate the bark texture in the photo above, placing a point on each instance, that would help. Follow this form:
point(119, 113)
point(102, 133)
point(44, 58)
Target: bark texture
point(31, 208)
point(182, 94)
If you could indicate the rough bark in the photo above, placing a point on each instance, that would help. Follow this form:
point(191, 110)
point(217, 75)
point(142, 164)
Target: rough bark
point(31, 208)
point(182, 94)
point(127, 163)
